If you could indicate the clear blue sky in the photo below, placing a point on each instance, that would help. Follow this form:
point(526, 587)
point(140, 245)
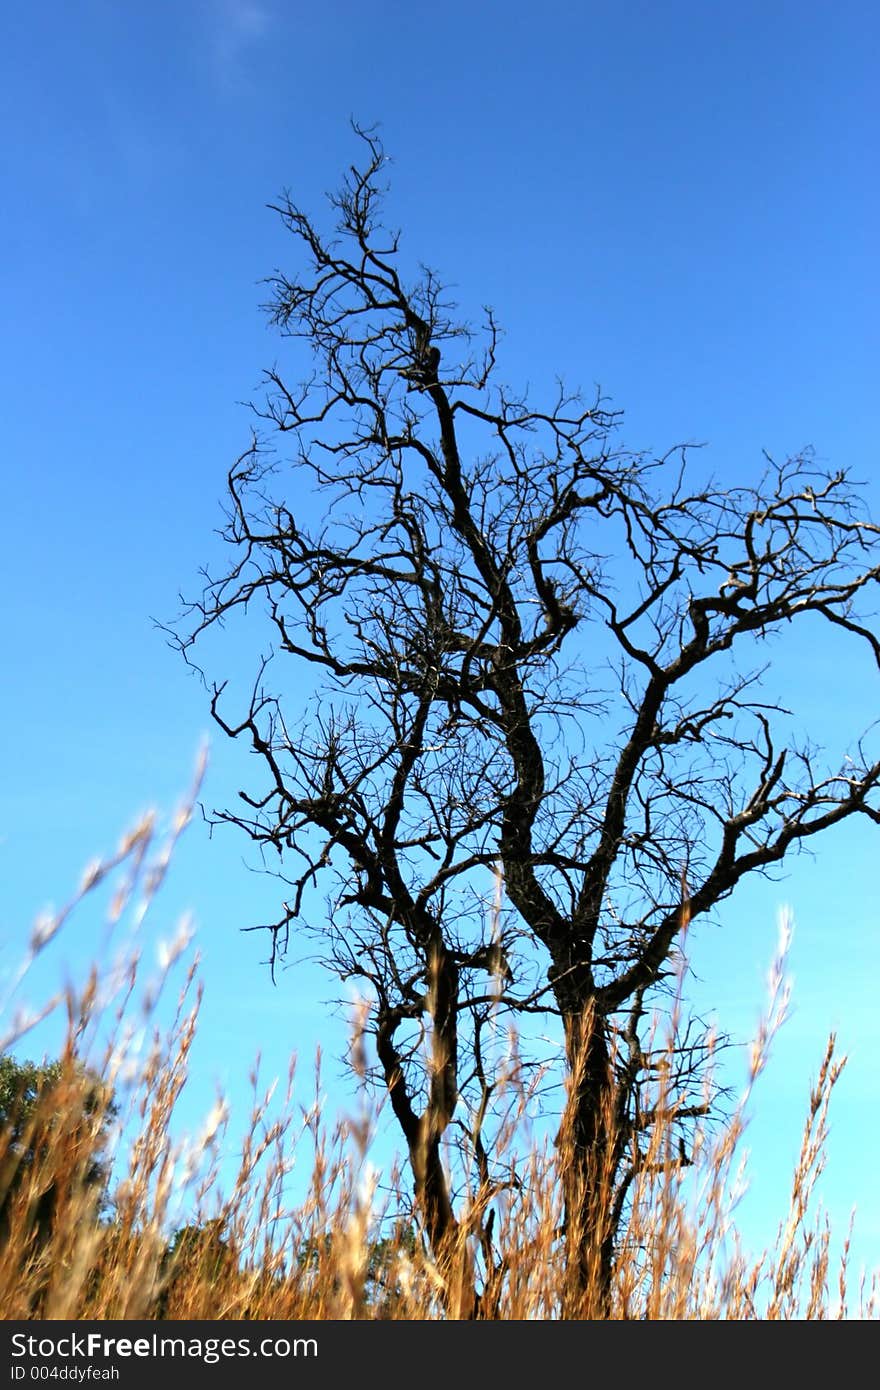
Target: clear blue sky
point(676, 201)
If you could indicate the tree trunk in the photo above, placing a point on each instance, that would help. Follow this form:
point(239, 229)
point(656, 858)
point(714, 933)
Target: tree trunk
point(442, 1227)
point(587, 1144)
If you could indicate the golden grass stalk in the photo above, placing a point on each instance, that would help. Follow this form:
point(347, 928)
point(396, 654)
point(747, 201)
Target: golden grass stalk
point(342, 1250)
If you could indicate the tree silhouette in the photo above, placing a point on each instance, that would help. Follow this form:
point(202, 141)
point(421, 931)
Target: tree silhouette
point(526, 661)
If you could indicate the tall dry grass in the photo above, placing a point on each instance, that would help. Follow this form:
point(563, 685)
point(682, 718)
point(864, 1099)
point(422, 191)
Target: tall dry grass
point(350, 1247)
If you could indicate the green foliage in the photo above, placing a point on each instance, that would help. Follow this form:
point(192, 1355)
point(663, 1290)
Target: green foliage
point(379, 1258)
point(201, 1248)
point(21, 1086)
point(47, 1110)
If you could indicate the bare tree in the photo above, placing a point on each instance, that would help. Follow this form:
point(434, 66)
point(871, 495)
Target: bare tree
point(526, 645)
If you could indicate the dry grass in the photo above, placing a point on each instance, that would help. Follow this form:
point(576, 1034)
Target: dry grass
point(342, 1250)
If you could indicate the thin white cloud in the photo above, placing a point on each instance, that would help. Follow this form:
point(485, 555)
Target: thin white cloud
point(248, 18)
point(237, 27)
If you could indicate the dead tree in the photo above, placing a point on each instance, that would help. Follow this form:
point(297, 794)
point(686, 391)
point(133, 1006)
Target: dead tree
point(534, 655)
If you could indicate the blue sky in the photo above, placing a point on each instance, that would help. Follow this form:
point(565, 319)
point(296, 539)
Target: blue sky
point(676, 201)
